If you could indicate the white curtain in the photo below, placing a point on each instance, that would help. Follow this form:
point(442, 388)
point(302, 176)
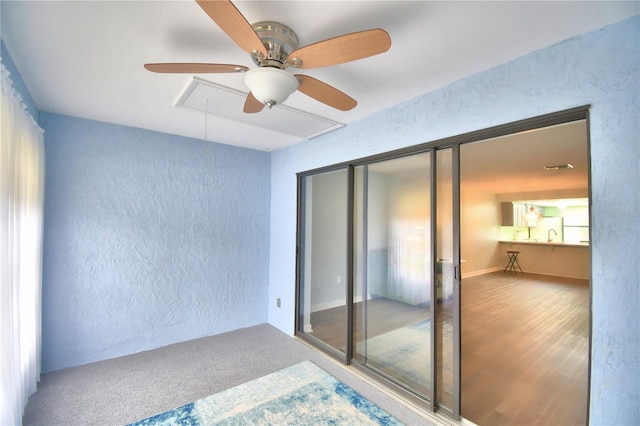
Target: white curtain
point(21, 221)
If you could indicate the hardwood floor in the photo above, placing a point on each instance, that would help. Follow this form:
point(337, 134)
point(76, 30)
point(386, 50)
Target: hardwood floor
point(524, 349)
point(524, 346)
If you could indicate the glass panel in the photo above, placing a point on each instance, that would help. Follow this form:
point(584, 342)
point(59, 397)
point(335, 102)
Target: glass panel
point(445, 278)
point(323, 272)
point(392, 295)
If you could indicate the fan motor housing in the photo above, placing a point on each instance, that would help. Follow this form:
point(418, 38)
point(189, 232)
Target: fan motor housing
point(279, 40)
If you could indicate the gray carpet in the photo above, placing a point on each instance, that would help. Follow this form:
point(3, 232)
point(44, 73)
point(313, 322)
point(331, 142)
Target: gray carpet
point(133, 387)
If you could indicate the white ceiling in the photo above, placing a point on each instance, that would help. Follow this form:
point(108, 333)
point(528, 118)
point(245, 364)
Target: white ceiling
point(516, 163)
point(85, 58)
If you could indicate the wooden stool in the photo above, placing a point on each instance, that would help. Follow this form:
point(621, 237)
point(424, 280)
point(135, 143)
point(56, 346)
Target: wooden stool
point(513, 262)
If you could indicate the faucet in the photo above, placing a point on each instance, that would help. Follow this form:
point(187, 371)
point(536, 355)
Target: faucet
point(549, 239)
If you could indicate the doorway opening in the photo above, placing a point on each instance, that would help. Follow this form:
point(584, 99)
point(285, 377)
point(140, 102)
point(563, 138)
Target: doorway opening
point(525, 324)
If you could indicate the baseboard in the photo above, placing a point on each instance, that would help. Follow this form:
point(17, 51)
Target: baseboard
point(337, 303)
point(500, 268)
point(482, 272)
point(333, 304)
point(559, 276)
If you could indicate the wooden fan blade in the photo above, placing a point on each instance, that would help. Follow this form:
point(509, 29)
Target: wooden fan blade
point(252, 105)
point(232, 22)
point(187, 68)
point(338, 50)
point(325, 93)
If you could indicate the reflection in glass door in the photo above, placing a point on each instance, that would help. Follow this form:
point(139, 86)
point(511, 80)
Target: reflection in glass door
point(377, 270)
point(393, 270)
point(322, 298)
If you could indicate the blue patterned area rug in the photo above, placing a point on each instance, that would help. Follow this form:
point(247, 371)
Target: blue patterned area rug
point(404, 354)
point(303, 394)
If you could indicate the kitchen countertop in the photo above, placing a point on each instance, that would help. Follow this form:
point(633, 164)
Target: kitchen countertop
point(544, 243)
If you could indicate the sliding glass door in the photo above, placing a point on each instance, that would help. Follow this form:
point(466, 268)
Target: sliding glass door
point(379, 266)
point(393, 264)
point(376, 262)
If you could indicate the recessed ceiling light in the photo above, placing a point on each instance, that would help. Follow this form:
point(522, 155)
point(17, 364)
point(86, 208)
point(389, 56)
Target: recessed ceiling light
point(559, 166)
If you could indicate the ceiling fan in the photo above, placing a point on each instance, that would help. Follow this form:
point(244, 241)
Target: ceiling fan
point(273, 47)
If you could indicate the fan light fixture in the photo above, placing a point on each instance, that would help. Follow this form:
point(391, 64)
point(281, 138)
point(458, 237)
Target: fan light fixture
point(270, 45)
point(270, 86)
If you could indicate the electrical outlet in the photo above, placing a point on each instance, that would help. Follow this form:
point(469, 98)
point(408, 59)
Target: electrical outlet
point(278, 302)
point(339, 279)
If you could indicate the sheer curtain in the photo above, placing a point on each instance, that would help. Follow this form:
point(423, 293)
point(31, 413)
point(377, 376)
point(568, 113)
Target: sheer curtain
point(21, 220)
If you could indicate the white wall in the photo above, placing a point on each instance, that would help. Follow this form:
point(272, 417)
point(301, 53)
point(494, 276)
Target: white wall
point(480, 232)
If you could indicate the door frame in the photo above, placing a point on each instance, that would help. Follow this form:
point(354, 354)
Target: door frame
point(453, 142)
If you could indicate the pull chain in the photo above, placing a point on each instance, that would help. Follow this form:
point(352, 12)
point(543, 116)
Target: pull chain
point(206, 117)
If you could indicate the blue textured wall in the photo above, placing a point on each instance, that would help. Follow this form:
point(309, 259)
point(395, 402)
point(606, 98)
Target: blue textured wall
point(148, 240)
point(601, 68)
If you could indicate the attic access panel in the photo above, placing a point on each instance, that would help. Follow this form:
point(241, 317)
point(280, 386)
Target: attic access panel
point(228, 103)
